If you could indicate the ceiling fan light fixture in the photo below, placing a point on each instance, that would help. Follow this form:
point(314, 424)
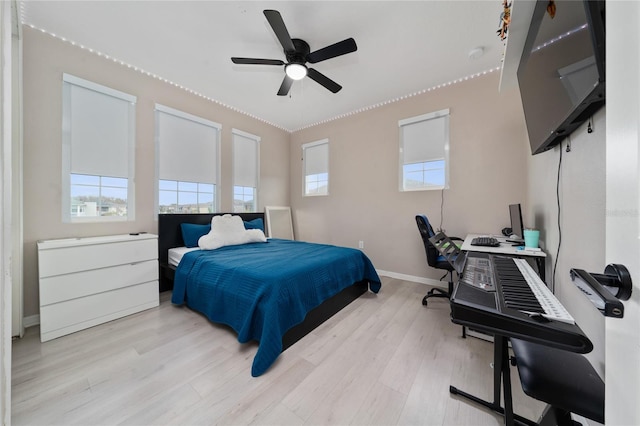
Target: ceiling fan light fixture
point(296, 71)
point(298, 53)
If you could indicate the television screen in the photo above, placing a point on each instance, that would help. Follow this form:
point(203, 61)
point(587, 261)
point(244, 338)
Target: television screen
point(561, 72)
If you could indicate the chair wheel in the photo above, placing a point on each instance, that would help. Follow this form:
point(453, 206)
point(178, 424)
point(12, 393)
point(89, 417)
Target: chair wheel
point(424, 301)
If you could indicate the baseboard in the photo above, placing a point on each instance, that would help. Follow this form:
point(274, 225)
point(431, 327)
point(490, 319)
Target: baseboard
point(34, 320)
point(480, 335)
point(413, 278)
point(31, 321)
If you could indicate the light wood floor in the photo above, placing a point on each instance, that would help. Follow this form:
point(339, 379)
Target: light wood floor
point(385, 359)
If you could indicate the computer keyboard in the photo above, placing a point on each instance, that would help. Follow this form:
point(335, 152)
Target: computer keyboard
point(485, 241)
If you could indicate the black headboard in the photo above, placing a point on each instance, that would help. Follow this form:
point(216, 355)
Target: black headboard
point(170, 234)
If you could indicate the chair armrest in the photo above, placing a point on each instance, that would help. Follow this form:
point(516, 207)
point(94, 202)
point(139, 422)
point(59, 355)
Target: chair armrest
point(446, 247)
point(456, 239)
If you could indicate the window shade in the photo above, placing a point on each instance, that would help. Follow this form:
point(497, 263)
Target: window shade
point(316, 158)
point(100, 128)
point(425, 139)
point(245, 159)
point(188, 147)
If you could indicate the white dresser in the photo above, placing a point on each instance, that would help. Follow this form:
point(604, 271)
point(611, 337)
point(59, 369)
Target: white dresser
point(89, 281)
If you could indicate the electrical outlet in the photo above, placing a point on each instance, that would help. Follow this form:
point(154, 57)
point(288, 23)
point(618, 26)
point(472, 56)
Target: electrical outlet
point(360, 244)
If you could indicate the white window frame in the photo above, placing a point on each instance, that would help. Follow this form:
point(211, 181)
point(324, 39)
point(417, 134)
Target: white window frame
point(256, 139)
point(159, 108)
point(67, 81)
point(305, 153)
point(441, 114)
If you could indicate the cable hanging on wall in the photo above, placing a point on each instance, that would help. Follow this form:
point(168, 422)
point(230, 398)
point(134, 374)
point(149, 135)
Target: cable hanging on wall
point(441, 210)
point(555, 263)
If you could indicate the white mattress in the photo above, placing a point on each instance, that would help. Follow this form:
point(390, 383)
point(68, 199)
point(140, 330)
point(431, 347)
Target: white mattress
point(176, 253)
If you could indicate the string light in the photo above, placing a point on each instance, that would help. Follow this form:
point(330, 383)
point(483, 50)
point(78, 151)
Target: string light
point(383, 103)
point(560, 37)
point(210, 99)
point(152, 75)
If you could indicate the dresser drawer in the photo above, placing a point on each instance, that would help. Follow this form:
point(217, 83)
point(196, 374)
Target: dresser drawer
point(88, 281)
point(59, 288)
point(65, 260)
point(66, 317)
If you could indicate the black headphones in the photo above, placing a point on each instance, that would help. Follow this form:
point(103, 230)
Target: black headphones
point(507, 232)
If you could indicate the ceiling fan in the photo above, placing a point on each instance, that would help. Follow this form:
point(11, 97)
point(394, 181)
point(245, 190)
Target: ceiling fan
point(298, 53)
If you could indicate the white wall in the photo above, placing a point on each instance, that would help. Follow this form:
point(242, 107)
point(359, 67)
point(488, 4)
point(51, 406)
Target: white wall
point(45, 59)
point(17, 327)
point(582, 220)
point(623, 207)
point(5, 212)
point(488, 158)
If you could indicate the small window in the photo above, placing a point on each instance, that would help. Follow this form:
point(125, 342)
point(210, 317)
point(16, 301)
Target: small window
point(188, 162)
point(186, 197)
point(424, 174)
point(315, 166)
point(98, 146)
point(93, 196)
point(424, 152)
point(246, 170)
point(244, 199)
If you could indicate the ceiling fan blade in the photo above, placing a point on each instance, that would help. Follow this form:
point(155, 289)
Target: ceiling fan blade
point(285, 86)
point(337, 49)
point(275, 20)
point(253, 61)
point(323, 80)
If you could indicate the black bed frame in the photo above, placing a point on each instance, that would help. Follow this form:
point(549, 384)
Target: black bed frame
point(170, 235)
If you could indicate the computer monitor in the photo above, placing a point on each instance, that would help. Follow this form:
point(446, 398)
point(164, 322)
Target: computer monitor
point(516, 221)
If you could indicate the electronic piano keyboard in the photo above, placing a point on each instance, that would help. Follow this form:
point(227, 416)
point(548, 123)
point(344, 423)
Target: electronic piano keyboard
point(503, 295)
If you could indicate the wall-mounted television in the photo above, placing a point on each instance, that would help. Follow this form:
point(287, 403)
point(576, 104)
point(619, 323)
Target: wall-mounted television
point(561, 75)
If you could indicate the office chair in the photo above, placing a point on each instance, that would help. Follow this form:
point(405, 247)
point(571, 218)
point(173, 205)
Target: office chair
point(435, 259)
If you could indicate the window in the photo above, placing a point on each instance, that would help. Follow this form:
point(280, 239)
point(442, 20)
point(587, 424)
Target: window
point(188, 162)
point(315, 168)
point(98, 196)
point(175, 196)
point(98, 148)
point(246, 161)
point(424, 152)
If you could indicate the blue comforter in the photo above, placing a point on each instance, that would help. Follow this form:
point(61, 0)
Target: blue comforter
point(262, 290)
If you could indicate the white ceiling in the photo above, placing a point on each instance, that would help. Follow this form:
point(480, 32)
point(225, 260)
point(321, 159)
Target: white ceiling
point(403, 47)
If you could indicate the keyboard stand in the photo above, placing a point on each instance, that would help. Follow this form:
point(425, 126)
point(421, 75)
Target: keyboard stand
point(501, 378)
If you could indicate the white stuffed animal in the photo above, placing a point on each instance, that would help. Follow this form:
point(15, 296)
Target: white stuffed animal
point(228, 230)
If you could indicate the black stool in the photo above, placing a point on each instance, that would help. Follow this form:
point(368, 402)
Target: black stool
point(564, 380)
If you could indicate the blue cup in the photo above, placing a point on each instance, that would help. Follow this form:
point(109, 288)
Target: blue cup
point(531, 237)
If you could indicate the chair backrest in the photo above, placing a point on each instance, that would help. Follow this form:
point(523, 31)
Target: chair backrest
point(426, 232)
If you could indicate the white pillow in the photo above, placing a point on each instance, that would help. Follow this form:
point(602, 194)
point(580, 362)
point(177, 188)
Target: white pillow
point(229, 230)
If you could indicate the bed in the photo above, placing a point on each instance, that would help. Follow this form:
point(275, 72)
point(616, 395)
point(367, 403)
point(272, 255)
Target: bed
point(258, 290)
